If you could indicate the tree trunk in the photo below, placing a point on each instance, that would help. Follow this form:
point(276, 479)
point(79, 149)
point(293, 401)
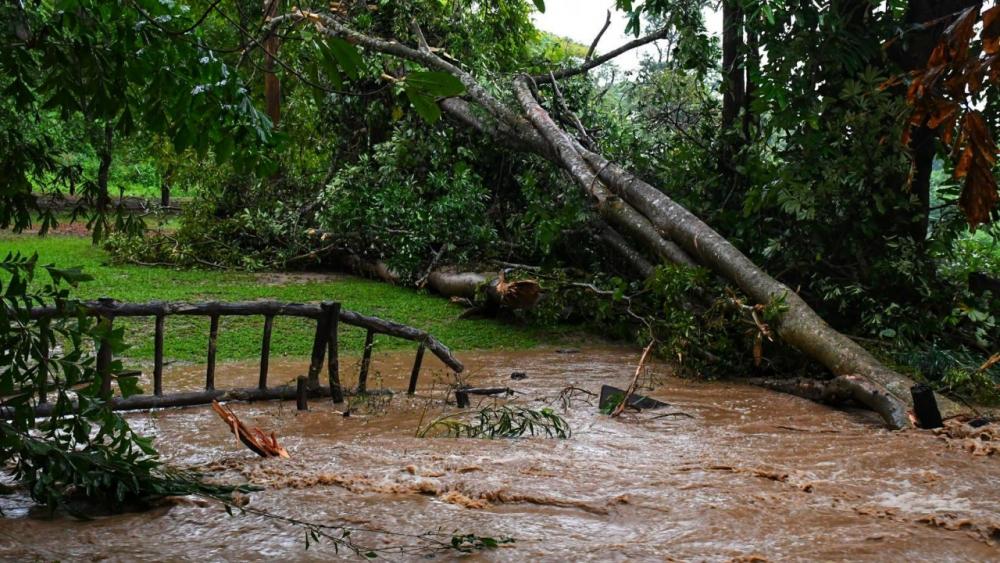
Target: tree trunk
point(910, 55)
point(103, 200)
point(733, 84)
point(165, 187)
point(885, 391)
point(733, 93)
point(272, 87)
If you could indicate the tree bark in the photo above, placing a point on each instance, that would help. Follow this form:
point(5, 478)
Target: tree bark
point(272, 86)
point(165, 187)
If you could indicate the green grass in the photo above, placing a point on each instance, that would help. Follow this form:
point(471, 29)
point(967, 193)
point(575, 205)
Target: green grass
point(239, 337)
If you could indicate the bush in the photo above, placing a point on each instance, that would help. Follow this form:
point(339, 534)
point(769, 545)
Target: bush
point(411, 197)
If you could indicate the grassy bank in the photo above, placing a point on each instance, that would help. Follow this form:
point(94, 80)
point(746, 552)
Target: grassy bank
point(186, 337)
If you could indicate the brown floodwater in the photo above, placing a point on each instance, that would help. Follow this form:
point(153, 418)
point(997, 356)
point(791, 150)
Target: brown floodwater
point(726, 472)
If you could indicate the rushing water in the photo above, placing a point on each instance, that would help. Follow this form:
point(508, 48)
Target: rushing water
point(743, 473)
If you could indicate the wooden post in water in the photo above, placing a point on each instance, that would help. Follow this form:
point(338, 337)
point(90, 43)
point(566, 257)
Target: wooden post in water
point(318, 352)
point(265, 351)
point(104, 352)
point(416, 370)
point(925, 407)
point(366, 362)
point(301, 388)
point(331, 311)
point(43, 361)
point(158, 357)
point(213, 338)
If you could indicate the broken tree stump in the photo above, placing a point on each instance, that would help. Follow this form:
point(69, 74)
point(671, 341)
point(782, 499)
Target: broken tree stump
point(925, 407)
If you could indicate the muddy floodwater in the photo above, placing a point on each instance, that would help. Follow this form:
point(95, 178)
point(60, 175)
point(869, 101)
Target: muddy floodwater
point(726, 472)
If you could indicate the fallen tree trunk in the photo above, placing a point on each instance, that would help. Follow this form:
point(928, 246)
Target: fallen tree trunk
point(495, 290)
point(877, 387)
point(646, 215)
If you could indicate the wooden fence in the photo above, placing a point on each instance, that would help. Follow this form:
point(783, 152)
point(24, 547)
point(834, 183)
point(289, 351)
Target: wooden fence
point(328, 316)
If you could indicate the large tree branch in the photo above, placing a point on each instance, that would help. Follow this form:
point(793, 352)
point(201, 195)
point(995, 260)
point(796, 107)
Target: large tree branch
point(330, 26)
point(611, 207)
point(598, 61)
point(593, 45)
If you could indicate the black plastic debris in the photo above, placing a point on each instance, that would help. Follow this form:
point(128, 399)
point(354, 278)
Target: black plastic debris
point(610, 395)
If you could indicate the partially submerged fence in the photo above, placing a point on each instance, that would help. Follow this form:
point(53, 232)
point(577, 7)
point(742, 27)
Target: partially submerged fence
point(328, 315)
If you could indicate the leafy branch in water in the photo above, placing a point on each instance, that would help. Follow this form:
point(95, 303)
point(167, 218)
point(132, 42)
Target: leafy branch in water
point(342, 537)
point(501, 422)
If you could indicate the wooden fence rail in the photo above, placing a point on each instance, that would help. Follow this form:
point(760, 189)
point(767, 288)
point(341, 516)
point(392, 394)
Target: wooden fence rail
point(328, 316)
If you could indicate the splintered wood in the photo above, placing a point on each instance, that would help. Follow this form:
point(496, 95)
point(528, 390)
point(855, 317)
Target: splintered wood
point(519, 294)
point(255, 440)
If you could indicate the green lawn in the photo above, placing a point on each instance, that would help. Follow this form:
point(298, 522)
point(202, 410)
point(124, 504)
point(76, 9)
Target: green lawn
point(186, 337)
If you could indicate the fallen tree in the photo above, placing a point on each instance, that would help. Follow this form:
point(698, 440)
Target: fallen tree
point(488, 292)
point(638, 213)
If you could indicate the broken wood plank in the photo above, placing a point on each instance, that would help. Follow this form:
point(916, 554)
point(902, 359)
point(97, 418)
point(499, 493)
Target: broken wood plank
point(254, 439)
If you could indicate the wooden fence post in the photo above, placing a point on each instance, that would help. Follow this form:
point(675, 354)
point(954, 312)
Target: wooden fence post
point(416, 370)
point(265, 351)
point(332, 313)
point(213, 338)
point(104, 352)
point(366, 361)
point(158, 357)
point(300, 393)
point(318, 352)
point(43, 361)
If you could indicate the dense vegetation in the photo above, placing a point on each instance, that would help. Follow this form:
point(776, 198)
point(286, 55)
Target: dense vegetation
point(806, 147)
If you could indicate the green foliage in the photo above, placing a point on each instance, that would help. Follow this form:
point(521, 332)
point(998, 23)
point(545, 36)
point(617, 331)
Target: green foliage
point(501, 422)
point(416, 194)
point(471, 543)
point(424, 88)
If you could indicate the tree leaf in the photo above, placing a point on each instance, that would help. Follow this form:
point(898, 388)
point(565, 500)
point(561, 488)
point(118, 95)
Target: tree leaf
point(424, 105)
point(540, 4)
point(347, 56)
point(434, 83)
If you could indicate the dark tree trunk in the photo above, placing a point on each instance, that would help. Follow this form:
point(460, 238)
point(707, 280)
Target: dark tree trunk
point(912, 54)
point(733, 94)
point(103, 199)
point(752, 66)
point(733, 67)
point(165, 187)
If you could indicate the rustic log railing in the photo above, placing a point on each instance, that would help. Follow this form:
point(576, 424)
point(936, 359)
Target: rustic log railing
point(328, 316)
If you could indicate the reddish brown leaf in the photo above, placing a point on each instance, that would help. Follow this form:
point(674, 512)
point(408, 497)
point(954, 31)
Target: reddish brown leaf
point(959, 34)
point(991, 30)
point(979, 197)
point(945, 111)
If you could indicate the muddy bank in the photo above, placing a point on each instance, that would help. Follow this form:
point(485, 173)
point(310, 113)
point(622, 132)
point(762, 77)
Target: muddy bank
point(749, 473)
